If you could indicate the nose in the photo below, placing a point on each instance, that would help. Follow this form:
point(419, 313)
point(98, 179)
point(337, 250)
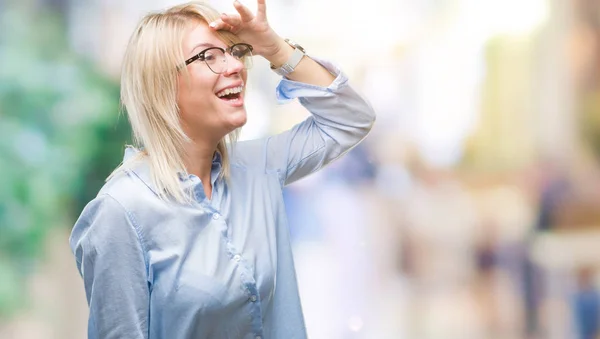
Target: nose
point(234, 65)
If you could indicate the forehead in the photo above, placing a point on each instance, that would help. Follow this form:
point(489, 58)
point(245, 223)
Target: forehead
point(199, 36)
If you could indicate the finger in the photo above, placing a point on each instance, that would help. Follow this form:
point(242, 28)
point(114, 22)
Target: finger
point(220, 25)
point(245, 14)
point(261, 10)
point(231, 19)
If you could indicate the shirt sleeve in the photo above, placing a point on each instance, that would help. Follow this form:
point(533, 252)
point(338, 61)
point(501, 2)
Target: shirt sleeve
point(111, 261)
point(340, 119)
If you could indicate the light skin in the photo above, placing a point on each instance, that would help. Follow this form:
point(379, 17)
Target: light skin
point(206, 118)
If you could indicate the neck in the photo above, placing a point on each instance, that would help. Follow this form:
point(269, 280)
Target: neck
point(199, 157)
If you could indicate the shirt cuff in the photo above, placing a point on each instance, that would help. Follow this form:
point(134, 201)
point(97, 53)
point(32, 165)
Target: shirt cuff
point(288, 90)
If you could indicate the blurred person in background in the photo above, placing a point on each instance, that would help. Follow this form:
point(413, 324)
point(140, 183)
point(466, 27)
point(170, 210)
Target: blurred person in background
point(188, 237)
point(552, 193)
point(586, 305)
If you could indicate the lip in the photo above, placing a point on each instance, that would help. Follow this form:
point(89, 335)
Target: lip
point(234, 103)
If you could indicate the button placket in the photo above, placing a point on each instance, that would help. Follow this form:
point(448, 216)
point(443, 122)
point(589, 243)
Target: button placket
point(246, 274)
point(255, 308)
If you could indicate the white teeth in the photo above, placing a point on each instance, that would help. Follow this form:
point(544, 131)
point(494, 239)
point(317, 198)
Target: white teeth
point(230, 91)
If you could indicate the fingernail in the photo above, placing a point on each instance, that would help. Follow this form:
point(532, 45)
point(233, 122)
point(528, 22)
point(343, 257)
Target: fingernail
point(213, 24)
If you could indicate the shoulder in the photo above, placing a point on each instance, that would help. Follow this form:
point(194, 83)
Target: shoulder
point(104, 208)
point(103, 223)
point(133, 191)
point(110, 217)
point(125, 186)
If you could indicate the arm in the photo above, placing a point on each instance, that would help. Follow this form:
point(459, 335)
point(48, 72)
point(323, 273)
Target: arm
point(340, 120)
point(110, 259)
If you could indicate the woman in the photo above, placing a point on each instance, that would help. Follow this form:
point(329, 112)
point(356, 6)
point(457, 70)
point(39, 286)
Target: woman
point(188, 238)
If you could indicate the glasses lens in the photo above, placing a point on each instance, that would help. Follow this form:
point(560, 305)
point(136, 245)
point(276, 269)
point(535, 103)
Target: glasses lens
point(215, 59)
point(243, 53)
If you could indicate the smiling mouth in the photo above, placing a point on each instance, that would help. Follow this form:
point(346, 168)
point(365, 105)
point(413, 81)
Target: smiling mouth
point(230, 94)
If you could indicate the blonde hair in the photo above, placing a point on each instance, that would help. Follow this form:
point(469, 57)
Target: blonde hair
point(149, 94)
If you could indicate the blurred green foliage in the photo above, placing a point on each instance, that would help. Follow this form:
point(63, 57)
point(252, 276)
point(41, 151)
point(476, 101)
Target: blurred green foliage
point(59, 139)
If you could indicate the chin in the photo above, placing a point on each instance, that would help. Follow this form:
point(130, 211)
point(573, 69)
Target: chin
point(237, 119)
point(233, 113)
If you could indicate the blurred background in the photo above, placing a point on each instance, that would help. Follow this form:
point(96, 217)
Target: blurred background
point(472, 210)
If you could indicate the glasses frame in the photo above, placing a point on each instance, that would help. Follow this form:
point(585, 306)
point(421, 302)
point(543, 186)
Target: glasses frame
point(201, 55)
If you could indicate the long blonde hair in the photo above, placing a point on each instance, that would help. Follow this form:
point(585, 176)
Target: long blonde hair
point(149, 94)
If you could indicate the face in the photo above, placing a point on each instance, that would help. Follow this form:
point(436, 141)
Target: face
point(207, 113)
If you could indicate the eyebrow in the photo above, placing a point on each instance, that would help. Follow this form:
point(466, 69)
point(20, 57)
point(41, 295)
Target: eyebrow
point(202, 44)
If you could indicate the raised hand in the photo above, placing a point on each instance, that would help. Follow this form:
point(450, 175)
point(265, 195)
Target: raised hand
point(252, 29)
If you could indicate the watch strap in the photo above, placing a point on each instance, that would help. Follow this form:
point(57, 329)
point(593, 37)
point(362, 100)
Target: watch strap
point(289, 66)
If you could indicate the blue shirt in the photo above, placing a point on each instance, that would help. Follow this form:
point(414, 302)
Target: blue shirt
point(223, 267)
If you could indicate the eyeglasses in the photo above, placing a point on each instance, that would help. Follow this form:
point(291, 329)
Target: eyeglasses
point(215, 59)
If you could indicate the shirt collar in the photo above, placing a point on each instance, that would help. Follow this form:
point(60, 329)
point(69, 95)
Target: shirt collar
point(141, 169)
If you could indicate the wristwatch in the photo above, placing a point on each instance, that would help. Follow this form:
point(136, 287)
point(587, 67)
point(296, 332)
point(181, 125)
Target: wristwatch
point(292, 62)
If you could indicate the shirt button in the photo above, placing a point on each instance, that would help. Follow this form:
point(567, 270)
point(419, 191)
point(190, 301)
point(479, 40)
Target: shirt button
point(253, 298)
point(258, 337)
point(216, 216)
point(237, 257)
